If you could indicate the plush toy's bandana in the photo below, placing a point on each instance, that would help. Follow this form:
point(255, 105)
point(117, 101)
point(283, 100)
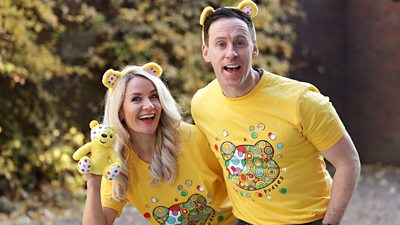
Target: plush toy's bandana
point(246, 6)
point(97, 129)
point(111, 77)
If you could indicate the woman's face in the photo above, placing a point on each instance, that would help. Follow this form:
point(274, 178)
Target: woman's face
point(141, 107)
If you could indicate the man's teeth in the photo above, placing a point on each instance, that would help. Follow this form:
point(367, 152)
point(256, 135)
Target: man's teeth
point(147, 116)
point(232, 66)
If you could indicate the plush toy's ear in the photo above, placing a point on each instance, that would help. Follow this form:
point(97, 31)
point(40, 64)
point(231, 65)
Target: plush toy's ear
point(206, 11)
point(153, 68)
point(93, 123)
point(110, 78)
point(248, 7)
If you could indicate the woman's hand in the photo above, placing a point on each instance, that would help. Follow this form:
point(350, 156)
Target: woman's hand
point(93, 181)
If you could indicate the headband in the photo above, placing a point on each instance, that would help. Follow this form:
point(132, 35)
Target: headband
point(246, 6)
point(111, 77)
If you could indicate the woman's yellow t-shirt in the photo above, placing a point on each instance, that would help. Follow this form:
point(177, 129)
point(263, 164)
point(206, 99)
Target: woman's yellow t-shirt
point(197, 196)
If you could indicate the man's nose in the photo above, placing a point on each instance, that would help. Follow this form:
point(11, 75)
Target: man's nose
point(231, 52)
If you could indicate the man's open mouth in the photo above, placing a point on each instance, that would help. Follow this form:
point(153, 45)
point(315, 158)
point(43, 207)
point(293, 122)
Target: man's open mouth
point(232, 68)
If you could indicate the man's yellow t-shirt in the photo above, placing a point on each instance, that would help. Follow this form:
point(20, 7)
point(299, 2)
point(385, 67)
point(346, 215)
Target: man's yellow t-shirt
point(268, 142)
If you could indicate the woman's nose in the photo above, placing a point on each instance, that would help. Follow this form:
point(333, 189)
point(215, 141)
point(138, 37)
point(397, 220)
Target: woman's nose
point(148, 104)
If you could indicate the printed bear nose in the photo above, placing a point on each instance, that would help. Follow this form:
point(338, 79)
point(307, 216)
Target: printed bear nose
point(104, 135)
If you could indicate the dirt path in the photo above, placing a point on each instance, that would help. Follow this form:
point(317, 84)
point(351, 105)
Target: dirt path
point(375, 202)
point(377, 198)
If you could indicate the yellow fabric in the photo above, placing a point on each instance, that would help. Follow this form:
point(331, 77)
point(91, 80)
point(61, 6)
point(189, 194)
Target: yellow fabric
point(268, 143)
point(199, 186)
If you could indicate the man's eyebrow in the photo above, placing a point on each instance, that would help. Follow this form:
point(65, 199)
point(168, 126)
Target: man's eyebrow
point(220, 38)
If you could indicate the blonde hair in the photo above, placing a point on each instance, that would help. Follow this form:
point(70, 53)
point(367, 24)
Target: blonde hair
point(163, 165)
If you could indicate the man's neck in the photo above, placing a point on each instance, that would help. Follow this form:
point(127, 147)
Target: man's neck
point(246, 87)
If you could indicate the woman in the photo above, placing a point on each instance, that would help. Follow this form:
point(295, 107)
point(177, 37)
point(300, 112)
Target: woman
point(166, 173)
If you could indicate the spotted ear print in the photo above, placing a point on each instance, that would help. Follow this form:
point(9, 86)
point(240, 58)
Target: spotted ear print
point(206, 11)
point(248, 7)
point(110, 78)
point(153, 68)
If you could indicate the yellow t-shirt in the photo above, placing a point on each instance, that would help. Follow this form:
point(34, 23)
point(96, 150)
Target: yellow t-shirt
point(198, 194)
point(268, 143)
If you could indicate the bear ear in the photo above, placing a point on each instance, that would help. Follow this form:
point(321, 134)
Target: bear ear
point(110, 78)
point(93, 123)
point(248, 7)
point(206, 12)
point(153, 68)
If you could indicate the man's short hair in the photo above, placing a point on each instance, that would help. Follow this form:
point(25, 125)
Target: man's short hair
point(228, 12)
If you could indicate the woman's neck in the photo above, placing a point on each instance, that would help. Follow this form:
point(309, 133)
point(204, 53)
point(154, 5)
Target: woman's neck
point(144, 145)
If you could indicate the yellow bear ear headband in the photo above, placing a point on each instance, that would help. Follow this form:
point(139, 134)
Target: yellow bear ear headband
point(246, 6)
point(111, 76)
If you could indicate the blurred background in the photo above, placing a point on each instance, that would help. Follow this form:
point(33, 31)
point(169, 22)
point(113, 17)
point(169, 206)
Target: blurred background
point(53, 54)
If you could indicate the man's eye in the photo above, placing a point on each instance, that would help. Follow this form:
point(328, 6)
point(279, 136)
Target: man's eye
point(240, 43)
point(221, 44)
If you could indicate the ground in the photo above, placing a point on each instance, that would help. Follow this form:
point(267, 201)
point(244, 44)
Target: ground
point(375, 202)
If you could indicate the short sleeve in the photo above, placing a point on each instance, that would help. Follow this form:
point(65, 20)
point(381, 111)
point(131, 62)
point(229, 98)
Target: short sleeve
point(107, 199)
point(320, 122)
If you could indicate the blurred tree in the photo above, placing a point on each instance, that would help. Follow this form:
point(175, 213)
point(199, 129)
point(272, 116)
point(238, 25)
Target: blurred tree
point(34, 130)
point(54, 52)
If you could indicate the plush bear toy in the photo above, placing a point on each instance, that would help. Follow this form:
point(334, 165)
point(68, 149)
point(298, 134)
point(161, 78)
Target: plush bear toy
point(102, 159)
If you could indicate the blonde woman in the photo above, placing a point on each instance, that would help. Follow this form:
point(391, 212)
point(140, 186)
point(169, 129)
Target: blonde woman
point(166, 173)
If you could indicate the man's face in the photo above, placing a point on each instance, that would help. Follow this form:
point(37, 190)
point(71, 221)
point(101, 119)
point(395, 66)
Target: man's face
point(230, 51)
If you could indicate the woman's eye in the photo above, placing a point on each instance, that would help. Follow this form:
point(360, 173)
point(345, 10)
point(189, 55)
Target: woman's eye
point(135, 99)
point(154, 96)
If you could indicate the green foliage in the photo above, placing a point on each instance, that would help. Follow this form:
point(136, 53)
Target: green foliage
point(54, 52)
point(34, 134)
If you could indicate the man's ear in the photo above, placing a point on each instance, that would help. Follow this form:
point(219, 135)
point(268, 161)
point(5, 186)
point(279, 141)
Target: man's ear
point(204, 50)
point(255, 51)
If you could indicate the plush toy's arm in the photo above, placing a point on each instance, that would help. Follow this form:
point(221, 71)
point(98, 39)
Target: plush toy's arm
point(82, 151)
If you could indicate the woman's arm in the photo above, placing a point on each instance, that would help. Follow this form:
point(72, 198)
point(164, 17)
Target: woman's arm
point(94, 213)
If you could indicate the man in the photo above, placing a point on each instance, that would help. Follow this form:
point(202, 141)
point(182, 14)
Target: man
point(270, 133)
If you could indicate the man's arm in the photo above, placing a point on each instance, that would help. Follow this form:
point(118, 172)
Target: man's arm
point(344, 157)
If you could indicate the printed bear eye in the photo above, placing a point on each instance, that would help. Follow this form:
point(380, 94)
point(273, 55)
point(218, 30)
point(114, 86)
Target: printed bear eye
point(110, 135)
point(104, 135)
